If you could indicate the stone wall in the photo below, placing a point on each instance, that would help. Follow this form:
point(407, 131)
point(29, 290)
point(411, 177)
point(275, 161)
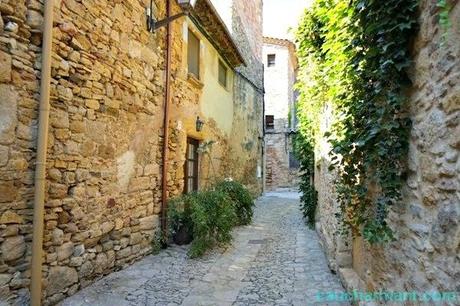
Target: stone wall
point(246, 140)
point(246, 29)
point(426, 222)
point(280, 102)
point(20, 40)
point(245, 26)
point(105, 139)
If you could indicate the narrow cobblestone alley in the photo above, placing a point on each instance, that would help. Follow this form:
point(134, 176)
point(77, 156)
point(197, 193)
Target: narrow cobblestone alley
point(275, 261)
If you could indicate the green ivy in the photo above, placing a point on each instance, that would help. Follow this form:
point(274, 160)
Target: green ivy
point(444, 20)
point(353, 59)
point(304, 150)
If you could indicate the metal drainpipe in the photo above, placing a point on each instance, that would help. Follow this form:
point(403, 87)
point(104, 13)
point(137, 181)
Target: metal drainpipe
point(264, 144)
point(40, 167)
point(164, 178)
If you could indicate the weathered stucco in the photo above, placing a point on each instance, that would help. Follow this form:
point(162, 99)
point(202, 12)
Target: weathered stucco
point(424, 257)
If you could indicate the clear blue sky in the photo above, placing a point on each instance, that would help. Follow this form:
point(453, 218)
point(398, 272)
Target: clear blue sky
point(280, 15)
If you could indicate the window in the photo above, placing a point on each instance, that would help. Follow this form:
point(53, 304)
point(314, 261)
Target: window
point(222, 74)
point(269, 122)
point(293, 161)
point(271, 59)
point(193, 54)
point(191, 166)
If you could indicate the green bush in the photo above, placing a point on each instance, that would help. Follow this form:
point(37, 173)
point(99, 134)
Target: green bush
point(208, 215)
point(180, 214)
point(213, 217)
point(241, 199)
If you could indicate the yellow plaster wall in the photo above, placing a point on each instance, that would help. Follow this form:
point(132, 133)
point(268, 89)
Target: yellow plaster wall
point(215, 101)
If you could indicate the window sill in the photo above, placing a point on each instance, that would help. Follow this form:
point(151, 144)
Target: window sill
point(192, 79)
point(224, 87)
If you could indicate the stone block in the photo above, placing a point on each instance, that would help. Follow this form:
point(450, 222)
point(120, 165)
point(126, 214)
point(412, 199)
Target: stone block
point(60, 278)
point(8, 113)
point(76, 261)
point(57, 191)
point(8, 192)
point(4, 155)
point(101, 263)
point(79, 250)
point(124, 242)
point(13, 248)
point(139, 183)
point(136, 238)
point(123, 253)
point(57, 236)
point(451, 104)
point(10, 217)
point(5, 67)
point(93, 104)
point(4, 279)
point(65, 251)
point(150, 222)
point(59, 119)
point(34, 19)
point(86, 269)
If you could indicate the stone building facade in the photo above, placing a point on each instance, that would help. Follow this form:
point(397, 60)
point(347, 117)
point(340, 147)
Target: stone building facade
point(104, 163)
point(425, 255)
point(280, 74)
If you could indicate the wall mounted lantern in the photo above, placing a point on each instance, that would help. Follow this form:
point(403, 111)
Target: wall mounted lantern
point(199, 124)
point(153, 24)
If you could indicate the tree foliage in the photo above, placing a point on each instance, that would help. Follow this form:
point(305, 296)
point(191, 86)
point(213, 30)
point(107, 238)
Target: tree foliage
point(353, 59)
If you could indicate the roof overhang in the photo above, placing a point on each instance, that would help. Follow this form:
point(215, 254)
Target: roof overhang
point(285, 43)
point(206, 18)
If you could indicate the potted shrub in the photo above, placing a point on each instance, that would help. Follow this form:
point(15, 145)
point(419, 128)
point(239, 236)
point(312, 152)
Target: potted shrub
point(180, 220)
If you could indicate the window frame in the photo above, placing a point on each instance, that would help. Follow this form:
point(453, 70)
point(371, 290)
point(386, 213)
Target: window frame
point(270, 126)
point(195, 159)
point(220, 65)
point(193, 36)
point(271, 60)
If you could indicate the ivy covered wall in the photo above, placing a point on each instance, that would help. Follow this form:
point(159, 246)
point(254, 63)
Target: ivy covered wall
point(380, 101)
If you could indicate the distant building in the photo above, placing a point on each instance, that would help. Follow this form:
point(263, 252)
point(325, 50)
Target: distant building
point(280, 73)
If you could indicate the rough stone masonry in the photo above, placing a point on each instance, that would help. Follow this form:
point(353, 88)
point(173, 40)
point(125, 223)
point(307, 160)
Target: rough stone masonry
point(104, 152)
point(425, 256)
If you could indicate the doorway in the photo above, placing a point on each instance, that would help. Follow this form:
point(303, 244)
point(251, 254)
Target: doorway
point(191, 166)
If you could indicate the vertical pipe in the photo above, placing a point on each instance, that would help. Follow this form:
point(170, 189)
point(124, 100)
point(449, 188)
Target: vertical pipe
point(164, 178)
point(40, 167)
point(264, 157)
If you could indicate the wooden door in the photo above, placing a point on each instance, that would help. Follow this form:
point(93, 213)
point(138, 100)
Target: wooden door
point(191, 166)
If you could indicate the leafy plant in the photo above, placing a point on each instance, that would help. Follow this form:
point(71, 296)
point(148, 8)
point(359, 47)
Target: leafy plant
point(303, 148)
point(353, 57)
point(157, 242)
point(213, 217)
point(180, 214)
point(209, 216)
point(444, 21)
point(242, 201)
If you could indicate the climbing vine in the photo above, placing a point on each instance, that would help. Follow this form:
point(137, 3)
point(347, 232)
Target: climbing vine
point(353, 58)
point(304, 150)
point(444, 21)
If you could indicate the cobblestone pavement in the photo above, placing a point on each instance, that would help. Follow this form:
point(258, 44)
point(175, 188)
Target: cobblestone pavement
point(274, 261)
